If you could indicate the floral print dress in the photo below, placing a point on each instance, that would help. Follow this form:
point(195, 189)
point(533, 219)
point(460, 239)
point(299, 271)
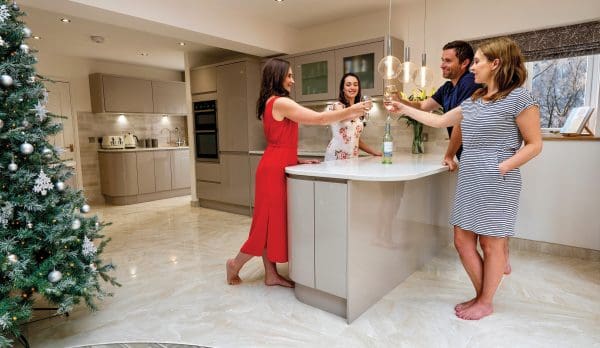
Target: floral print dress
point(344, 143)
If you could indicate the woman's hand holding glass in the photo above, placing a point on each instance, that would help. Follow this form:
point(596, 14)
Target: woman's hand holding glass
point(368, 104)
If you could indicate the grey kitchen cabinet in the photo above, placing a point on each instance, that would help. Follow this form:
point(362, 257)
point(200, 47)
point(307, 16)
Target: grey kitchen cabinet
point(180, 169)
point(169, 97)
point(145, 172)
point(118, 173)
point(315, 76)
point(162, 170)
point(208, 180)
point(232, 107)
point(111, 93)
point(203, 80)
point(235, 179)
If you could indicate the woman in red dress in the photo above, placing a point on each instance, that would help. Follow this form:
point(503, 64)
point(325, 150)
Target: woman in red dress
point(280, 116)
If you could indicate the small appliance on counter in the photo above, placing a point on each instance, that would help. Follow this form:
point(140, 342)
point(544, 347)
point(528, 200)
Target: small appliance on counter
point(130, 141)
point(113, 142)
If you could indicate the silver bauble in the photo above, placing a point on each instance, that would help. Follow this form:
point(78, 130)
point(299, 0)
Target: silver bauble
point(54, 276)
point(97, 225)
point(16, 8)
point(46, 152)
point(13, 167)
point(6, 80)
point(93, 267)
point(26, 148)
point(29, 225)
point(31, 79)
point(12, 258)
point(25, 123)
point(44, 192)
point(85, 208)
point(26, 32)
point(75, 224)
point(24, 48)
point(1, 124)
point(60, 186)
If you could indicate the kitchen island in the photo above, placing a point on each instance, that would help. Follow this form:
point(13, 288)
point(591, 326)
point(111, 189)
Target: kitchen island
point(358, 228)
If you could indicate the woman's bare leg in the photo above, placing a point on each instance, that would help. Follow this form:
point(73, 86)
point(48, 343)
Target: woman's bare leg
point(493, 269)
point(271, 275)
point(507, 268)
point(233, 267)
point(466, 245)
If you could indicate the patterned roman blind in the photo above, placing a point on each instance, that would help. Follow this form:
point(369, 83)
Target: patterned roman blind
point(560, 42)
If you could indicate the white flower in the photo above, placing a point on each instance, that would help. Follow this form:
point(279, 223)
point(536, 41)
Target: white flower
point(6, 213)
point(42, 183)
point(40, 110)
point(89, 249)
point(4, 14)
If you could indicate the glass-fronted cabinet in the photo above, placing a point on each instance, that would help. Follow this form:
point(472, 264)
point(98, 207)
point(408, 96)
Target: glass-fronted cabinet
point(315, 76)
point(361, 60)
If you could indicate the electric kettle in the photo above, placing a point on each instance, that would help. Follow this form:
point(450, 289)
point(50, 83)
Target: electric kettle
point(130, 140)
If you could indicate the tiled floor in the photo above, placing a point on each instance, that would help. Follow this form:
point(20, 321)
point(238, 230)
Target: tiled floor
point(171, 263)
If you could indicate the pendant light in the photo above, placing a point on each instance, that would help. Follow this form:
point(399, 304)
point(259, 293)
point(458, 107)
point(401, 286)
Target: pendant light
point(389, 67)
point(423, 76)
point(408, 68)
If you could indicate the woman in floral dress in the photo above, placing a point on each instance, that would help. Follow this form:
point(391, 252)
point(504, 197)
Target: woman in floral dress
point(346, 142)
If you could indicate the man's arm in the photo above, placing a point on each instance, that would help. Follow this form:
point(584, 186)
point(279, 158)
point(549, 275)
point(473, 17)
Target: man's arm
point(428, 104)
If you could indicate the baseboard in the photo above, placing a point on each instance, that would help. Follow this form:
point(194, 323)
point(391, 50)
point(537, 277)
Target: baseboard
point(554, 249)
point(230, 208)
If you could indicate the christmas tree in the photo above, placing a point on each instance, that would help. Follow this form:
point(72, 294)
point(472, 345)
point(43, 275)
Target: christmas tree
point(49, 247)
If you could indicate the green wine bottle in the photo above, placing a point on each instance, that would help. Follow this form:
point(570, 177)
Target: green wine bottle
point(388, 143)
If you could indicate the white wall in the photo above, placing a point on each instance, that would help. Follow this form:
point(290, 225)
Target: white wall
point(561, 189)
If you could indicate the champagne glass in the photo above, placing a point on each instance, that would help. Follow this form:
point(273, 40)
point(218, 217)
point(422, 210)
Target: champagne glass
point(387, 103)
point(366, 99)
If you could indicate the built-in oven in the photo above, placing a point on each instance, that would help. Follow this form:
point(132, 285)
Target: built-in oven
point(206, 129)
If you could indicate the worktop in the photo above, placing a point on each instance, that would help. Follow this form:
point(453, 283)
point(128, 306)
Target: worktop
point(141, 149)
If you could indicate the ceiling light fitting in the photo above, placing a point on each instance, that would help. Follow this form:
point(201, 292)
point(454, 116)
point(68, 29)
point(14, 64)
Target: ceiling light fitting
point(97, 39)
point(65, 20)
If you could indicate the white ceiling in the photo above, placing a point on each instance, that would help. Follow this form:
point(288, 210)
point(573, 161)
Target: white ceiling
point(123, 43)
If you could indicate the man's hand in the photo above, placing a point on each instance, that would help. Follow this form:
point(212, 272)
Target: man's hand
point(450, 163)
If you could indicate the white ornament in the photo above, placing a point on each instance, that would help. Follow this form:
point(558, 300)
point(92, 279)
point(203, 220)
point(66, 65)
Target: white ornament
point(7, 80)
point(46, 152)
point(26, 148)
point(25, 123)
point(42, 183)
point(1, 124)
point(4, 14)
point(2, 43)
point(89, 249)
point(40, 111)
point(44, 96)
point(93, 267)
point(97, 225)
point(31, 79)
point(75, 224)
point(85, 208)
point(13, 167)
point(29, 225)
point(12, 258)
point(24, 48)
point(6, 213)
point(54, 276)
point(60, 186)
point(26, 32)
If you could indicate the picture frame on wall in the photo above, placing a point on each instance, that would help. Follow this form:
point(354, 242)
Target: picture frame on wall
point(577, 121)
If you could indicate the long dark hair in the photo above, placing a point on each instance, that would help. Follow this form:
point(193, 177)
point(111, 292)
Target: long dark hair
point(511, 73)
point(273, 75)
point(342, 97)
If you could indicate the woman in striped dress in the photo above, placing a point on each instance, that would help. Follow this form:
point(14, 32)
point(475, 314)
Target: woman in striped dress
point(495, 122)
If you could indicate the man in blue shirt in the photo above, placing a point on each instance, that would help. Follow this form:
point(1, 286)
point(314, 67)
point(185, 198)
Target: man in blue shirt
point(457, 57)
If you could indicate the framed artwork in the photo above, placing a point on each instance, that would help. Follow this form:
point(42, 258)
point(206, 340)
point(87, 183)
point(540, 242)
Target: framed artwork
point(577, 120)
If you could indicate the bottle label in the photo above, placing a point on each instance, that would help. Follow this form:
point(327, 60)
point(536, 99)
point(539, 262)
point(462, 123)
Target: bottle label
point(388, 147)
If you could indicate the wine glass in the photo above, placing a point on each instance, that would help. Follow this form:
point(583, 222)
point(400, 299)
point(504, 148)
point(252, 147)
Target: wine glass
point(387, 103)
point(366, 99)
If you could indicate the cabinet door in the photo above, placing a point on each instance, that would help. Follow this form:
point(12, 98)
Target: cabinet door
point(203, 80)
point(208, 171)
point(232, 118)
point(169, 97)
point(124, 94)
point(361, 60)
point(145, 172)
point(162, 170)
point(118, 174)
point(180, 169)
point(301, 231)
point(315, 76)
point(235, 179)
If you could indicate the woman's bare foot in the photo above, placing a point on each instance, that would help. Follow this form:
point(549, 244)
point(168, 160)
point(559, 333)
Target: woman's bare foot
point(276, 279)
point(463, 305)
point(476, 311)
point(507, 268)
point(232, 273)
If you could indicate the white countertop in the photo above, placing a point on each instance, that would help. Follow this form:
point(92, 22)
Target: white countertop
point(300, 153)
point(404, 167)
point(139, 149)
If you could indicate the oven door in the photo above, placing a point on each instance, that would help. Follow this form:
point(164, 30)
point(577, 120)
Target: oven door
point(206, 120)
point(206, 144)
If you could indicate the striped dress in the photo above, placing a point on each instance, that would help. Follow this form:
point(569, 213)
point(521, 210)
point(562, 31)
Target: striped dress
point(486, 203)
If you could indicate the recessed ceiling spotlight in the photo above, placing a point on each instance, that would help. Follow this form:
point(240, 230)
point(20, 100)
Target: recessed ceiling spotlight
point(278, 0)
point(97, 39)
point(181, 43)
point(37, 37)
point(65, 20)
point(144, 54)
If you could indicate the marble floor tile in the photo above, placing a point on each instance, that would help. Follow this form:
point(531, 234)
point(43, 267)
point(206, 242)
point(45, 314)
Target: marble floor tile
point(171, 258)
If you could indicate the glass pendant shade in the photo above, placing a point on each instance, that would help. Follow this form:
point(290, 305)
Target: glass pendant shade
point(408, 68)
point(389, 67)
point(423, 76)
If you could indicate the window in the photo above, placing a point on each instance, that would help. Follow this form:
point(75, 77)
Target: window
point(562, 84)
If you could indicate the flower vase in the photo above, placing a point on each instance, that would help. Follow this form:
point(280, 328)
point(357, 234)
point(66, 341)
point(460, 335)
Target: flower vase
point(417, 143)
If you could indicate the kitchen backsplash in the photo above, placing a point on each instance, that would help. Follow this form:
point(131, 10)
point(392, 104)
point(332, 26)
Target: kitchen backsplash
point(93, 126)
point(316, 138)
